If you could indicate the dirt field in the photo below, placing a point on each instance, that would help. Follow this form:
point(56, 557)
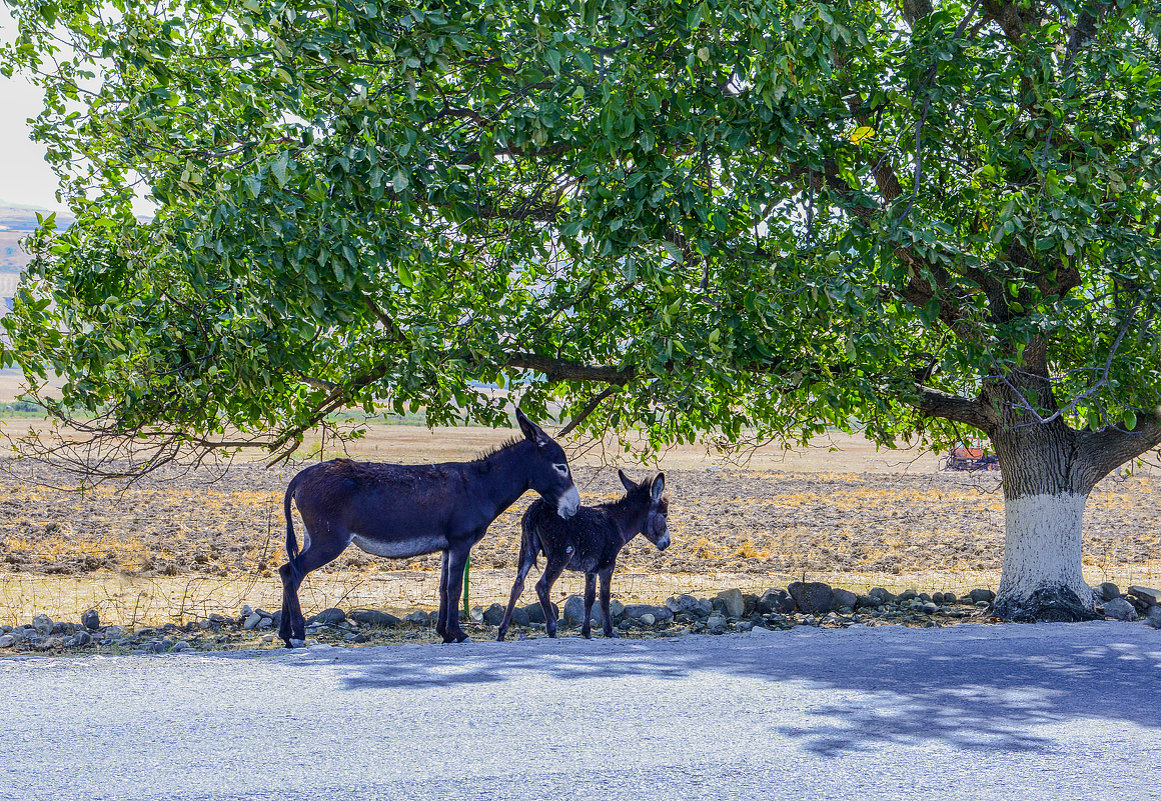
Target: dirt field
point(181, 545)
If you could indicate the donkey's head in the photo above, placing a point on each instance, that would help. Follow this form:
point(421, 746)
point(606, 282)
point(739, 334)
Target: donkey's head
point(549, 474)
point(656, 527)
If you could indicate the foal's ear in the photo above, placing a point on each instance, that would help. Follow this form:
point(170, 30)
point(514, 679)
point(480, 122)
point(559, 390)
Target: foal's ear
point(531, 431)
point(628, 482)
point(658, 487)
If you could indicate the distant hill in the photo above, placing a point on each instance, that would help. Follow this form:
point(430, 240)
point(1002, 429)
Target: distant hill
point(16, 222)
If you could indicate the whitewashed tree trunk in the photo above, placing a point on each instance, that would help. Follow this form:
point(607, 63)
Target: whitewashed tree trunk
point(1042, 557)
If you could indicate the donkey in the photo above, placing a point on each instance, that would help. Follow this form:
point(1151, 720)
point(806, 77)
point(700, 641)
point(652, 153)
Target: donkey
point(400, 511)
point(587, 543)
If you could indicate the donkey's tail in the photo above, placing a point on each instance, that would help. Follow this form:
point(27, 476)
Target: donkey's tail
point(291, 540)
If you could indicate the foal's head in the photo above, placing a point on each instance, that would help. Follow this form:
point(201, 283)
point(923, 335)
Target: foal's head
point(550, 474)
point(656, 528)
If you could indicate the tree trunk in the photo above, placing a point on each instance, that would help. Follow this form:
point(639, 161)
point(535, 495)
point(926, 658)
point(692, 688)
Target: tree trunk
point(1045, 489)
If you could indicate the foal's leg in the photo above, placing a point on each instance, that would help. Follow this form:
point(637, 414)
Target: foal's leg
point(292, 628)
point(441, 619)
point(606, 594)
point(590, 596)
point(526, 561)
point(454, 560)
point(552, 570)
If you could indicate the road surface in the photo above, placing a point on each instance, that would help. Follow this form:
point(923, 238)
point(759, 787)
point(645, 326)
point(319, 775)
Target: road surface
point(1052, 711)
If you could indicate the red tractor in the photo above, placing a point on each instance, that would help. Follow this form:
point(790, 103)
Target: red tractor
point(971, 455)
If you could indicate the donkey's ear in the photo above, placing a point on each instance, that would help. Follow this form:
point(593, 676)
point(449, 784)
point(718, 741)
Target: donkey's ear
point(628, 482)
point(658, 487)
point(531, 431)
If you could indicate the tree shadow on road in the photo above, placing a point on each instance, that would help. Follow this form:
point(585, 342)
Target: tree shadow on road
point(975, 688)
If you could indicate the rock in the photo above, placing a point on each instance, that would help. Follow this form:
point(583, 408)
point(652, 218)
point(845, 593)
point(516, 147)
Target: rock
point(704, 608)
point(574, 610)
point(1120, 609)
point(751, 602)
point(1152, 617)
point(616, 609)
point(761, 630)
point(776, 600)
point(660, 613)
point(276, 619)
point(950, 598)
point(844, 598)
point(251, 622)
point(885, 596)
point(811, 597)
point(43, 624)
point(680, 603)
point(329, 617)
point(246, 612)
point(219, 619)
point(7, 641)
point(182, 645)
point(536, 613)
point(82, 637)
point(354, 637)
point(930, 607)
point(732, 601)
point(91, 620)
point(648, 619)
point(418, 616)
point(980, 594)
point(373, 617)
point(743, 625)
point(475, 614)
point(494, 614)
point(907, 595)
point(868, 602)
point(520, 617)
point(1150, 596)
point(1107, 591)
point(716, 623)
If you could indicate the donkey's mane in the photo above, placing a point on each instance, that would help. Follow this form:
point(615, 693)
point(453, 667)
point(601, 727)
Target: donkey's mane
point(503, 446)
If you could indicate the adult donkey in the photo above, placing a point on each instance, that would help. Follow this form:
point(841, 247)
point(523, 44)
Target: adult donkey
point(401, 511)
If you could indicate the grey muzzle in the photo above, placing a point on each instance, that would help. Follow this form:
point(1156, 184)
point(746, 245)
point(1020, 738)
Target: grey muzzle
point(568, 503)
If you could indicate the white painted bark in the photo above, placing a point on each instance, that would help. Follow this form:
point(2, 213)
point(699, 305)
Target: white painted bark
point(1042, 546)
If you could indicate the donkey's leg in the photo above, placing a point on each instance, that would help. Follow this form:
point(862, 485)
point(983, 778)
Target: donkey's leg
point(552, 570)
point(526, 561)
point(321, 550)
point(590, 596)
point(441, 619)
point(606, 594)
point(449, 609)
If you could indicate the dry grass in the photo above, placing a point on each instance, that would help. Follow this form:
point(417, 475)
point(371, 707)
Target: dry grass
point(175, 547)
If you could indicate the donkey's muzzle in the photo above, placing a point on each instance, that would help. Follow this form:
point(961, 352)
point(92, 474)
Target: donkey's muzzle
point(568, 503)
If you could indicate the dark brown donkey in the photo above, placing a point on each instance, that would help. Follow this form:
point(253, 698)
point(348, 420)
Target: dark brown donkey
point(401, 511)
point(588, 543)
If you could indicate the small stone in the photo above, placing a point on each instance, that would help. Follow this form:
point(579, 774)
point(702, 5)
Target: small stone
point(982, 604)
point(648, 619)
point(246, 612)
point(420, 617)
point(1150, 596)
point(844, 598)
point(981, 594)
point(1120, 609)
point(950, 598)
point(636, 611)
point(7, 641)
point(356, 638)
point(743, 625)
point(1152, 617)
point(494, 614)
point(907, 595)
point(882, 594)
point(735, 605)
point(373, 617)
point(476, 614)
point(716, 623)
point(812, 597)
point(930, 607)
point(80, 638)
point(43, 624)
point(760, 630)
point(91, 620)
point(1107, 591)
point(680, 603)
point(329, 617)
point(251, 622)
point(182, 645)
point(536, 612)
point(868, 602)
point(776, 600)
point(937, 597)
point(265, 638)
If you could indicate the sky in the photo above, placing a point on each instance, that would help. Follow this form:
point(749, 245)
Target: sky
point(25, 178)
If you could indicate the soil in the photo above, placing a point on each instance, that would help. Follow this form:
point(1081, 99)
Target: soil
point(205, 540)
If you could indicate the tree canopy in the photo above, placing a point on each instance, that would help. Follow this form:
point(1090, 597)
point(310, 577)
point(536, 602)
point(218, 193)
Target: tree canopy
point(757, 217)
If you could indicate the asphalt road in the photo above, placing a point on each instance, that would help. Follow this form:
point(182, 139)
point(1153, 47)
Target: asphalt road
point(968, 712)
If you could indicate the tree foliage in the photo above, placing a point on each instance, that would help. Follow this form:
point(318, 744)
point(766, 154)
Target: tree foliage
point(753, 217)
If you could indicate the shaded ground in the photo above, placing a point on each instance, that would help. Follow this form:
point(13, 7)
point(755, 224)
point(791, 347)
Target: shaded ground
point(730, 527)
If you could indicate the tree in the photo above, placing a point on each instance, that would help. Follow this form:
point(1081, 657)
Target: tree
point(752, 218)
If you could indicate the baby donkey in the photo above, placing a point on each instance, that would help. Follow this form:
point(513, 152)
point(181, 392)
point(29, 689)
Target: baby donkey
point(587, 543)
